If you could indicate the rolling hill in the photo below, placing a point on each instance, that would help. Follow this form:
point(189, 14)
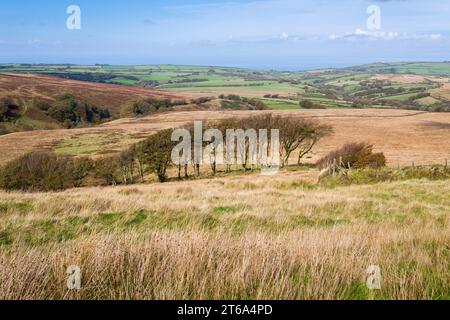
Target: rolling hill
point(25, 89)
point(411, 86)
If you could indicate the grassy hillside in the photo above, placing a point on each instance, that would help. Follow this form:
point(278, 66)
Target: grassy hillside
point(32, 92)
point(404, 136)
point(248, 237)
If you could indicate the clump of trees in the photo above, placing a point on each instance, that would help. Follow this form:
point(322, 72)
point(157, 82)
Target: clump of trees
point(412, 103)
point(9, 110)
point(187, 80)
point(148, 83)
point(147, 106)
point(296, 136)
point(72, 112)
point(362, 103)
point(43, 171)
point(67, 109)
point(105, 171)
point(309, 104)
point(143, 107)
point(441, 106)
point(236, 102)
point(353, 156)
point(90, 76)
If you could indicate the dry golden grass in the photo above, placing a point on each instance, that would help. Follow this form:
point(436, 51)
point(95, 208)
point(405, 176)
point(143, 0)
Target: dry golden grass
point(408, 78)
point(29, 86)
point(442, 92)
point(404, 136)
point(239, 237)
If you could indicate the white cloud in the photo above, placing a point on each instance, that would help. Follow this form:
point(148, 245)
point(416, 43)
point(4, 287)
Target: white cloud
point(435, 36)
point(37, 41)
point(365, 34)
point(333, 36)
point(284, 36)
point(360, 34)
point(34, 41)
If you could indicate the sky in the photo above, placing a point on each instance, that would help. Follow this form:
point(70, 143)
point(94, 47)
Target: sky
point(261, 34)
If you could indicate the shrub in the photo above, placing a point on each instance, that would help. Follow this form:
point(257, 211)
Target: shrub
point(308, 104)
point(179, 102)
point(145, 106)
point(354, 156)
point(9, 110)
point(82, 168)
point(201, 100)
point(41, 104)
point(361, 104)
point(43, 171)
point(65, 96)
point(372, 176)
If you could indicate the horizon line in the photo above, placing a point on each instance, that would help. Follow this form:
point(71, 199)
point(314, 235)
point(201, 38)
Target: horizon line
point(221, 66)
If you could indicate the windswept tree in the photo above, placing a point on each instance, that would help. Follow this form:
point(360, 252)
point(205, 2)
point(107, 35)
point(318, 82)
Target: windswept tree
point(106, 170)
point(250, 134)
point(298, 134)
point(156, 153)
point(126, 162)
point(313, 132)
point(138, 160)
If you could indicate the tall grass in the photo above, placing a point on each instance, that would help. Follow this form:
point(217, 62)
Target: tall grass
point(214, 239)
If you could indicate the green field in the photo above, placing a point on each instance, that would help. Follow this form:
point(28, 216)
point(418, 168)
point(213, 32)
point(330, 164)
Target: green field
point(422, 68)
point(334, 88)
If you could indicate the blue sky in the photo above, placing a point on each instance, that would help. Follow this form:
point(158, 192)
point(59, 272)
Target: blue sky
point(266, 34)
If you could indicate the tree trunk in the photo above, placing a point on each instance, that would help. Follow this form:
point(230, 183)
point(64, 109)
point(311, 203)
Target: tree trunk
point(197, 169)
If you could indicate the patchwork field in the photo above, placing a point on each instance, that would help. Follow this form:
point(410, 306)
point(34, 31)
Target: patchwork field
point(390, 85)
